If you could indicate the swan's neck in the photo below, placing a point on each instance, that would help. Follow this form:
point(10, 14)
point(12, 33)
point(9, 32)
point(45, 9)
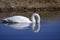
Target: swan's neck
point(34, 22)
point(33, 18)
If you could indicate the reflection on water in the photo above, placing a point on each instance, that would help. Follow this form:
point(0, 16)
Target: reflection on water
point(19, 25)
point(23, 26)
point(50, 30)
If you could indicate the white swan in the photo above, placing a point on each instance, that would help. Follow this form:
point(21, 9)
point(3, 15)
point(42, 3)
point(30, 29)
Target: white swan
point(23, 19)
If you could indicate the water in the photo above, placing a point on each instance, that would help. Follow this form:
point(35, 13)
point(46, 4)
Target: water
point(50, 30)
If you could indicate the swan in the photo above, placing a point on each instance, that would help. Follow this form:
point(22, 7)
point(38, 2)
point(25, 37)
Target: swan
point(23, 19)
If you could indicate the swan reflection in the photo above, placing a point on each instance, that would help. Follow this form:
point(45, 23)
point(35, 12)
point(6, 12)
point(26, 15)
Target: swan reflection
point(19, 26)
point(24, 26)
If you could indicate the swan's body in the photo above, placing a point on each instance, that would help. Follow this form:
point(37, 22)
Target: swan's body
point(17, 19)
point(23, 19)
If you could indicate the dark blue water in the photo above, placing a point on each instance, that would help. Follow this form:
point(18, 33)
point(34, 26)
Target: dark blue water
point(50, 30)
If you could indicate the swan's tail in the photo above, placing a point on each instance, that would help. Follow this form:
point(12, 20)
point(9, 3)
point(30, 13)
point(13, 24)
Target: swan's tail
point(2, 21)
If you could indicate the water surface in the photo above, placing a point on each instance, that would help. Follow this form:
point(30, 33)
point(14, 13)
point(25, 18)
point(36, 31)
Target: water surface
point(50, 30)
